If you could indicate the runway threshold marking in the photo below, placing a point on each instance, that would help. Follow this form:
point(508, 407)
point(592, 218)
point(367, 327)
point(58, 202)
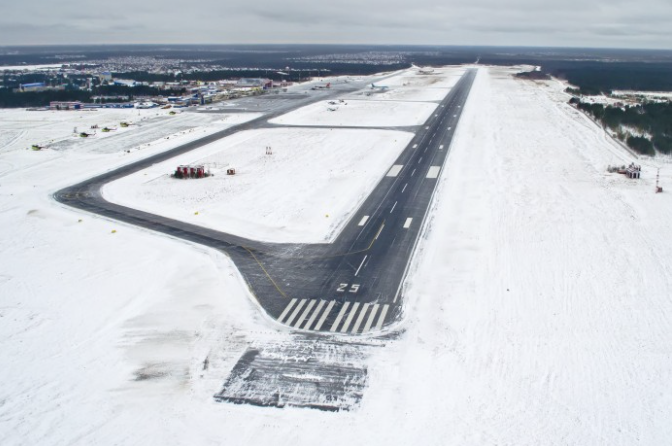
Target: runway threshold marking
point(407, 224)
point(287, 308)
point(310, 305)
point(394, 171)
point(296, 311)
point(359, 320)
point(340, 316)
point(363, 221)
point(324, 315)
point(381, 318)
point(348, 320)
point(369, 321)
point(314, 315)
point(433, 172)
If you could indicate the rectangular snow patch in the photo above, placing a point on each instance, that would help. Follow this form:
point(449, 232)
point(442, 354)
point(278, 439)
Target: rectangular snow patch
point(408, 223)
point(394, 171)
point(363, 221)
point(433, 172)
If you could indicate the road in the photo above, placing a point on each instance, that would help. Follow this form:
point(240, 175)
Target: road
point(351, 286)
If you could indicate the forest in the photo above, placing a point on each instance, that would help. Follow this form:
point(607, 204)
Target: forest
point(645, 128)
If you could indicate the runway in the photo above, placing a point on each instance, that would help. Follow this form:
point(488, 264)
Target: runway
point(351, 286)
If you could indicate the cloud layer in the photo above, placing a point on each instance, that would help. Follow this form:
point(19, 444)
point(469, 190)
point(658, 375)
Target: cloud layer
point(598, 23)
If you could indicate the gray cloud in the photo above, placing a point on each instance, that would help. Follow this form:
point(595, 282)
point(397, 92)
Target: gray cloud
point(598, 23)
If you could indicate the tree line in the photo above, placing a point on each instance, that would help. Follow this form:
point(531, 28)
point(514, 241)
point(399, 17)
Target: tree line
point(645, 128)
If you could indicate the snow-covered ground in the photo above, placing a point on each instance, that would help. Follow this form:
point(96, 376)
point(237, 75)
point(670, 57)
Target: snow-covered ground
point(537, 310)
point(304, 192)
point(358, 113)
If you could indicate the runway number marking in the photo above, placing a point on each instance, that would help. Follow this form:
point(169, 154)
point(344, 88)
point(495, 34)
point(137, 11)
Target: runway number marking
point(343, 286)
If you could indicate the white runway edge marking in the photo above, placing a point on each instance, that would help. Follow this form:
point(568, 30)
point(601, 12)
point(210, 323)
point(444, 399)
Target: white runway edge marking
point(369, 321)
point(363, 221)
point(360, 265)
point(394, 171)
point(433, 172)
point(314, 315)
point(381, 319)
point(324, 315)
point(340, 316)
point(359, 320)
point(348, 320)
point(289, 307)
point(296, 311)
point(311, 304)
point(408, 223)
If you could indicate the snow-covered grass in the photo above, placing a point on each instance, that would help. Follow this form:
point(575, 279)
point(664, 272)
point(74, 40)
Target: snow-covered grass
point(537, 312)
point(304, 192)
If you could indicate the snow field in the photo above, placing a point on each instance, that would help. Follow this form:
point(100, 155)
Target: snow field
point(304, 192)
point(358, 113)
point(537, 312)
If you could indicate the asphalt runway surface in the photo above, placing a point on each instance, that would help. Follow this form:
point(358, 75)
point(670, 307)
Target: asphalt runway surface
point(351, 286)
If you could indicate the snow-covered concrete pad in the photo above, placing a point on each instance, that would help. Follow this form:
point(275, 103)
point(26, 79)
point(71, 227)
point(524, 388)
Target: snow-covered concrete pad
point(359, 113)
point(304, 192)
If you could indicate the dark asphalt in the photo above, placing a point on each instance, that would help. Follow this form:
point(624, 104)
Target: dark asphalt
point(353, 285)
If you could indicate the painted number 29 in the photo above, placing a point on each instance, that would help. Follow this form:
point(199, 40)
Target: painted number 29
point(344, 286)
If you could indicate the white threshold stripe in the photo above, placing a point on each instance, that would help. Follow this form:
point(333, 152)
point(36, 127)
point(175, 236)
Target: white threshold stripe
point(407, 224)
point(381, 318)
point(324, 315)
point(363, 221)
point(433, 172)
point(287, 308)
point(369, 321)
point(361, 264)
point(340, 316)
point(394, 171)
point(296, 311)
point(314, 315)
point(348, 320)
point(359, 320)
point(311, 304)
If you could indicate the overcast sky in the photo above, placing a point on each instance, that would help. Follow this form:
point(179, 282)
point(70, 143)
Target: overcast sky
point(585, 23)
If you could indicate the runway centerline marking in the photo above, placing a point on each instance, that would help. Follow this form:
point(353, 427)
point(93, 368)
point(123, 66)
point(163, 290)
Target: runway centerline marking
point(360, 265)
point(402, 191)
point(413, 172)
point(393, 206)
